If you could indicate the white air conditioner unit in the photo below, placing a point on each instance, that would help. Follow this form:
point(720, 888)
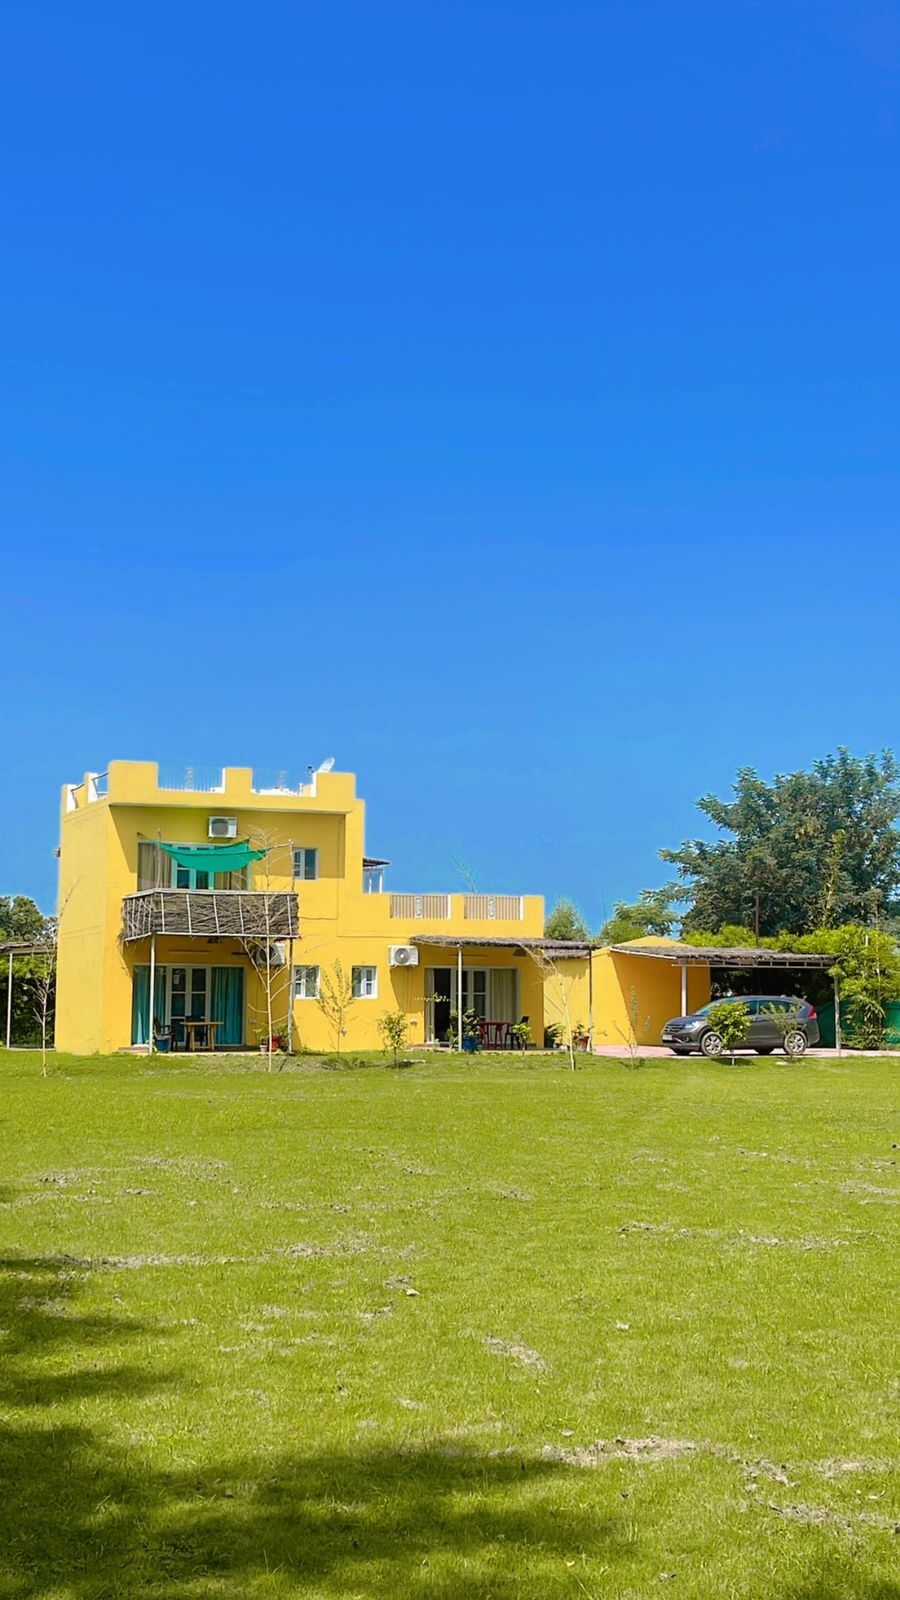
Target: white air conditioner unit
point(222, 828)
point(267, 955)
point(403, 955)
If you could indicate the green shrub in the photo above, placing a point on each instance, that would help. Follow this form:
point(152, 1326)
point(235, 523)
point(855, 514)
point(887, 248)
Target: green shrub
point(731, 1021)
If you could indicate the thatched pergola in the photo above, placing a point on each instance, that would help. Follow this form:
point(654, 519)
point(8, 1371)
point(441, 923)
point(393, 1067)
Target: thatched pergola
point(11, 949)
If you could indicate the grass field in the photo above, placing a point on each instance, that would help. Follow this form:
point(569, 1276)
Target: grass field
point(492, 1329)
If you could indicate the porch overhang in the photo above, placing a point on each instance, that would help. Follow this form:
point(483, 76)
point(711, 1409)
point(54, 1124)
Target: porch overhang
point(214, 913)
point(735, 956)
point(553, 949)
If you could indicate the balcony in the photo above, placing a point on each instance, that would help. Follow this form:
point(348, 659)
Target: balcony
point(209, 914)
point(412, 907)
point(488, 907)
point(475, 907)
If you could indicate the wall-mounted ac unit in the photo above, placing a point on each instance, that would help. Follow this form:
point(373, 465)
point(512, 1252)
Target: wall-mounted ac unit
point(403, 955)
point(222, 828)
point(267, 955)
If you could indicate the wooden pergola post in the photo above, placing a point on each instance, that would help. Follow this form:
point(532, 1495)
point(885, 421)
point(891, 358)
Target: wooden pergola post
point(9, 1002)
point(459, 998)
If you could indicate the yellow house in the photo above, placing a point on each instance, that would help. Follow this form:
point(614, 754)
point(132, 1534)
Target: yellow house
point(624, 993)
point(194, 915)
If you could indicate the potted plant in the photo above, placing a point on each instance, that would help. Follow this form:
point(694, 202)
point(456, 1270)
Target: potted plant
point(471, 1033)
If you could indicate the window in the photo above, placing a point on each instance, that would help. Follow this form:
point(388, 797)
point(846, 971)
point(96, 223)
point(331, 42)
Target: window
point(365, 983)
point(306, 863)
point(306, 983)
point(150, 868)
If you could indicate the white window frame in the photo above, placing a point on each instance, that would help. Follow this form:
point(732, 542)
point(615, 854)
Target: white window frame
point(301, 853)
point(364, 988)
point(303, 989)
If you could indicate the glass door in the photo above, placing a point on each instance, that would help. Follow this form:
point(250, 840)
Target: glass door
point(188, 991)
point(475, 990)
point(439, 984)
point(191, 877)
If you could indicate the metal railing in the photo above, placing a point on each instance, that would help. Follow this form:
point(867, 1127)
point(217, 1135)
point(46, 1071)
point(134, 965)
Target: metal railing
point(415, 907)
point(490, 907)
point(193, 780)
point(94, 787)
point(277, 782)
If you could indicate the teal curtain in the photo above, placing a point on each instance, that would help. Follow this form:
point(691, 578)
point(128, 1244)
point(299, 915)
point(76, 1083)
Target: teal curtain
point(227, 1004)
point(140, 1002)
point(140, 1006)
point(213, 857)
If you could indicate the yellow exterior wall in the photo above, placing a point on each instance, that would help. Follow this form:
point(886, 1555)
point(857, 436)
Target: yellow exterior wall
point(635, 995)
point(628, 998)
point(101, 827)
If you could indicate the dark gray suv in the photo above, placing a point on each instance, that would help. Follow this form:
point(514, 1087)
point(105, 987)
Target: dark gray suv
point(777, 1022)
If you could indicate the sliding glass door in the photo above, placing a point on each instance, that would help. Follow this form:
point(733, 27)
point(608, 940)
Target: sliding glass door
point(491, 992)
point(199, 994)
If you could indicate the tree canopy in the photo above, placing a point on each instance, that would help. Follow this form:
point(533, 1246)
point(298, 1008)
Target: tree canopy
point(809, 850)
point(21, 919)
point(651, 913)
point(566, 922)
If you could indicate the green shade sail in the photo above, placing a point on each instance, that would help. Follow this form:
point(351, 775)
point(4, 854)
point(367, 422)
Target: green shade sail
point(213, 857)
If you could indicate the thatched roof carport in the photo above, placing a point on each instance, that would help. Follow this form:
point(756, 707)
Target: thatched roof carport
point(743, 958)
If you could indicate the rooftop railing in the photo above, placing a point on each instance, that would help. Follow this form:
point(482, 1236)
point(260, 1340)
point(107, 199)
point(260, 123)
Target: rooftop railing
point(435, 907)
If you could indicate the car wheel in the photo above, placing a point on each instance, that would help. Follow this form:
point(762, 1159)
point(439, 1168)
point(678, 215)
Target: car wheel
point(764, 1049)
point(711, 1043)
point(795, 1042)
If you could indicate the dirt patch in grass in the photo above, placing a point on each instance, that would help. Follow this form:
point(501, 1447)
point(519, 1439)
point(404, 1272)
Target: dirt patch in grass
point(824, 1517)
point(867, 1192)
point(603, 1451)
point(809, 1241)
point(516, 1352)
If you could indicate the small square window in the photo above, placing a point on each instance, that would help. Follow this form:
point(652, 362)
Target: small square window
point(306, 983)
point(365, 983)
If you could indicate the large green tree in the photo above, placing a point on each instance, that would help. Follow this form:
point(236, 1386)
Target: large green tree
point(21, 919)
point(809, 850)
point(652, 913)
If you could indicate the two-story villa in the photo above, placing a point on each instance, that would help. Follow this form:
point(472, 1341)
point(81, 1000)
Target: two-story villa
point(189, 913)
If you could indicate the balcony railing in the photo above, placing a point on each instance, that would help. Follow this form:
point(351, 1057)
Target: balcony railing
point(200, 913)
point(487, 907)
point(414, 907)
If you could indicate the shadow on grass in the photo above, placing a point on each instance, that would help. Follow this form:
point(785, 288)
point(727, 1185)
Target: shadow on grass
point(841, 1582)
point(82, 1516)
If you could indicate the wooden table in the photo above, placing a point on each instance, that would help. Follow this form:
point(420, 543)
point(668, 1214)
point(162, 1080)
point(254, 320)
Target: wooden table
point(194, 1025)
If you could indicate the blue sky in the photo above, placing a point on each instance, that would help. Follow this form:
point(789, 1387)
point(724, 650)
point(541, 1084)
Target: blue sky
point(500, 398)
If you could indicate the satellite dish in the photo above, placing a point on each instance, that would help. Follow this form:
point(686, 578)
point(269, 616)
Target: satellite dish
point(326, 765)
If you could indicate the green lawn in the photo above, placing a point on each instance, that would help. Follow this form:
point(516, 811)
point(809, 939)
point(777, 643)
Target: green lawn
point(460, 1330)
